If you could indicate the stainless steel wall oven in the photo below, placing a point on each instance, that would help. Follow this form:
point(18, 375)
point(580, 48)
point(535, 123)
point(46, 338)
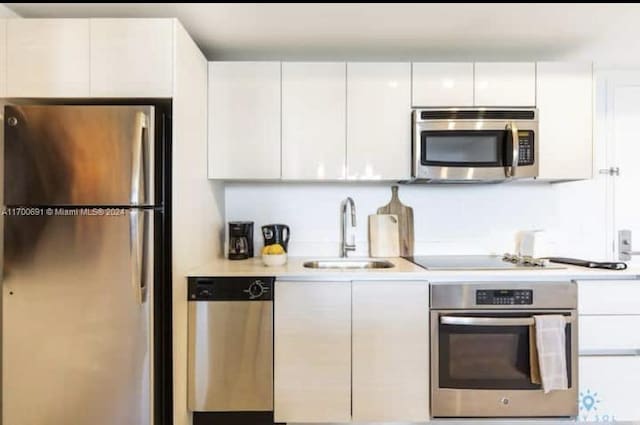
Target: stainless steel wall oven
point(481, 349)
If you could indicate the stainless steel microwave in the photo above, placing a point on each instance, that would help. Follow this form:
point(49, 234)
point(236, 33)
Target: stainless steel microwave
point(475, 144)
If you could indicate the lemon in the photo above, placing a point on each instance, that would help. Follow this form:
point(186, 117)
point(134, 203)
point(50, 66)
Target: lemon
point(274, 249)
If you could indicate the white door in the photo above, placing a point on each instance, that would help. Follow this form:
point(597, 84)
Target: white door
point(378, 124)
point(312, 352)
point(442, 84)
point(132, 57)
point(505, 84)
point(47, 57)
point(623, 136)
point(314, 116)
point(244, 120)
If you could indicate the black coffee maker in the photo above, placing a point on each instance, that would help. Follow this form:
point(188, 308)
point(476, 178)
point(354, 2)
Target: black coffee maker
point(276, 234)
point(240, 240)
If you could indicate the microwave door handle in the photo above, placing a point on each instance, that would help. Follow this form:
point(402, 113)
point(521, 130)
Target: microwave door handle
point(515, 149)
point(490, 321)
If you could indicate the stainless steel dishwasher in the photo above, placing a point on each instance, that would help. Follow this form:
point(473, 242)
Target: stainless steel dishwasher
point(230, 347)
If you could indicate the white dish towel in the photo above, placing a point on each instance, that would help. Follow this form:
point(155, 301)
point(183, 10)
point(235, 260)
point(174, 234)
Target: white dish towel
point(552, 356)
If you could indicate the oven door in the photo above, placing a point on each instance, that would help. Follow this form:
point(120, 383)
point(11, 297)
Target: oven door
point(470, 150)
point(481, 366)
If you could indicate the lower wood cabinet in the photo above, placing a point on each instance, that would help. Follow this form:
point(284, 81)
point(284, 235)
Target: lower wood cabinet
point(351, 351)
point(312, 352)
point(390, 377)
point(609, 388)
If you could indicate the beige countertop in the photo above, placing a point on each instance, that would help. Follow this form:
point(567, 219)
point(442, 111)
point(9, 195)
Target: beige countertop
point(403, 270)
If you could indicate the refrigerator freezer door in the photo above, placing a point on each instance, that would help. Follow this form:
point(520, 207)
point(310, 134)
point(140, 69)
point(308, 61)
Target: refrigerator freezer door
point(79, 155)
point(76, 326)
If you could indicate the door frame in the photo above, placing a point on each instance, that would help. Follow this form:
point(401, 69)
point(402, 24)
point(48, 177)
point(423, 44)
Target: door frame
point(606, 81)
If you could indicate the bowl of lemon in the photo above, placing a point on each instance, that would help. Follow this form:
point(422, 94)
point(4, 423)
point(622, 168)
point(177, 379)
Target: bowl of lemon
point(274, 255)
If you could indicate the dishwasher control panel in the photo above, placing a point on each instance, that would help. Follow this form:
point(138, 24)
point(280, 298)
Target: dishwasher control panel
point(230, 289)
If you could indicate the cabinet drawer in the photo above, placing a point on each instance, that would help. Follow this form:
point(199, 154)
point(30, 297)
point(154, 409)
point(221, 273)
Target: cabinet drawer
point(609, 333)
point(609, 389)
point(609, 297)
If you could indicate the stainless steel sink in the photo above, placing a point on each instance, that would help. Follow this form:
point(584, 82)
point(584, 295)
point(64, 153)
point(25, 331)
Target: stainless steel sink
point(348, 264)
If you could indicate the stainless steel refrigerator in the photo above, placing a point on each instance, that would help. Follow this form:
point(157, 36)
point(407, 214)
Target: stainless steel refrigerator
point(84, 249)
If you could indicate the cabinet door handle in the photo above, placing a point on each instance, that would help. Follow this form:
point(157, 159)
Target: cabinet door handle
point(616, 352)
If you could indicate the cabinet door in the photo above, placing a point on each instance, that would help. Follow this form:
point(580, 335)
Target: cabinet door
point(3, 57)
point(442, 84)
point(132, 57)
point(565, 109)
point(312, 352)
point(244, 120)
point(313, 121)
point(378, 124)
point(47, 58)
point(609, 297)
point(390, 351)
point(609, 389)
point(505, 84)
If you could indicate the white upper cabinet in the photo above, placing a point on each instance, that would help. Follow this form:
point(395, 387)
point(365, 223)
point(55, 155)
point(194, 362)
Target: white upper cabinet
point(442, 84)
point(3, 57)
point(565, 115)
point(47, 58)
point(378, 117)
point(244, 120)
point(313, 120)
point(132, 57)
point(505, 84)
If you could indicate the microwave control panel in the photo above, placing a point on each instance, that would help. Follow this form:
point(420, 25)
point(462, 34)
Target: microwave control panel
point(526, 152)
point(504, 297)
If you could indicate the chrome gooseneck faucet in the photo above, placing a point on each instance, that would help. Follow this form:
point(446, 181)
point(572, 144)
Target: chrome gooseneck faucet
point(346, 247)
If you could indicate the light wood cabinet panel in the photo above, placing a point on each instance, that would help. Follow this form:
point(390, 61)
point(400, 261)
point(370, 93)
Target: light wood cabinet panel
point(132, 57)
point(565, 115)
point(390, 351)
point(312, 351)
point(442, 84)
point(505, 84)
point(313, 120)
point(244, 120)
point(378, 117)
point(47, 58)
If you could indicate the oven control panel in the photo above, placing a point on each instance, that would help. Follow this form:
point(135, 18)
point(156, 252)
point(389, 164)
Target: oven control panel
point(504, 297)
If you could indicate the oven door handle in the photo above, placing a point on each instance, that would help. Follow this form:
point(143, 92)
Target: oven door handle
point(490, 321)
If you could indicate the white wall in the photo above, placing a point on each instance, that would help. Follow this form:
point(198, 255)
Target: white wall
point(198, 203)
point(449, 219)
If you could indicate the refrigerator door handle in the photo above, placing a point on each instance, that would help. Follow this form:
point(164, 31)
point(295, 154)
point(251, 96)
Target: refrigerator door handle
point(138, 235)
point(138, 172)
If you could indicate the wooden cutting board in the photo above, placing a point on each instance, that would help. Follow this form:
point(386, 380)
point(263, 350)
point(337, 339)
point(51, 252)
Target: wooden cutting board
point(405, 221)
point(384, 239)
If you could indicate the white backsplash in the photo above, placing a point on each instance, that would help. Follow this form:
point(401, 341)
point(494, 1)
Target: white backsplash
point(449, 219)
